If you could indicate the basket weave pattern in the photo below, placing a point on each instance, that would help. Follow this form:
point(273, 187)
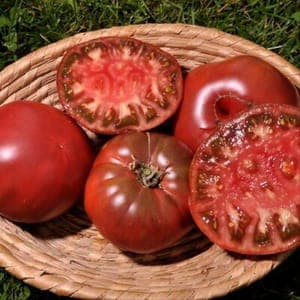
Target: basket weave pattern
point(68, 256)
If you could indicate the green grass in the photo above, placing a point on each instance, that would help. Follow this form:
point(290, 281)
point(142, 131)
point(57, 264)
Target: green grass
point(28, 25)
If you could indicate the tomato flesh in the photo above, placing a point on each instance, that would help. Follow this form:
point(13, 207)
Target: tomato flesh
point(137, 191)
point(245, 182)
point(113, 84)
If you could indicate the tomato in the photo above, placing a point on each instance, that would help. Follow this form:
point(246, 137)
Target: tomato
point(115, 84)
point(137, 191)
point(45, 158)
point(216, 92)
point(245, 182)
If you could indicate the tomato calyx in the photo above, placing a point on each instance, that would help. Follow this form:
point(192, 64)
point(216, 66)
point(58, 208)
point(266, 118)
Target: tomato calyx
point(149, 175)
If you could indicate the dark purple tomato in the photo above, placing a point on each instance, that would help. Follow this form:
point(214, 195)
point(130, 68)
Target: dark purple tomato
point(137, 192)
point(45, 158)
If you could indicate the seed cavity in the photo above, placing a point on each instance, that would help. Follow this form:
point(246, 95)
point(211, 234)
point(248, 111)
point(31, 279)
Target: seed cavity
point(259, 126)
point(130, 119)
point(288, 167)
point(238, 221)
point(85, 113)
point(169, 90)
point(163, 102)
point(250, 165)
point(262, 236)
point(109, 117)
point(150, 114)
point(286, 121)
point(164, 61)
point(209, 185)
point(69, 62)
point(68, 92)
point(209, 218)
point(288, 225)
point(206, 178)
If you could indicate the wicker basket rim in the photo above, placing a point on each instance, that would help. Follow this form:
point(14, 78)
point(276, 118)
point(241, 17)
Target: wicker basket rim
point(76, 261)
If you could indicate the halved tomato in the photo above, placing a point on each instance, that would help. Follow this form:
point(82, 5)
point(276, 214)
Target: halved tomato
point(113, 84)
point(245, 182)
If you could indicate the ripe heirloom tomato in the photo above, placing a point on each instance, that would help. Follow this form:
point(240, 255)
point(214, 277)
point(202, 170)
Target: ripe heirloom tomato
point(137, 191)
point(216, 92)
point(245, 182)
point(115, 84)
point(45, 158)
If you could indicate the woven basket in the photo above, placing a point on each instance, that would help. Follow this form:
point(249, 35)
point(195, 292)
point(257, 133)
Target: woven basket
point(67, 256)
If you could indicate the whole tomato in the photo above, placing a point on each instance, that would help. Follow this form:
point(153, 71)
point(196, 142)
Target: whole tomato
point(44, 161)
point(137, 191)
point(216, 92)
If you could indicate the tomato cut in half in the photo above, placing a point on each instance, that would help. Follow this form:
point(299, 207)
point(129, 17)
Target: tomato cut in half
point(115, 84)
point(245, 182)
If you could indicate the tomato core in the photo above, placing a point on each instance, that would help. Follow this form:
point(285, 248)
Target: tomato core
point(227, 106)
point(149, 175)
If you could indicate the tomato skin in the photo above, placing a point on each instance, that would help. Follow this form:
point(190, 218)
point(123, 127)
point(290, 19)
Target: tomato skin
point(135, 217)
point(45, 158)
point(245, 182)
point(114, 84)
point(216, 92)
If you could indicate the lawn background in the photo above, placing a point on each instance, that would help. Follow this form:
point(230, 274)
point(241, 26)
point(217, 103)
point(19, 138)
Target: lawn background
point(27, 25)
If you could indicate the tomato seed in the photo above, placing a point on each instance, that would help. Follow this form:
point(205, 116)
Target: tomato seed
point(288, 168)
point(163, 103)
point(205, 178)
point(131, 119)
point(150, 114)
point(250, 165)
point(287, 224)
point(68, 63)
point(109, 117)
point(210, 219)
point(238, 221)
point(68, 92)
point(85, 113)
point(164, 62)
point(262, 238)
point(169, 90)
